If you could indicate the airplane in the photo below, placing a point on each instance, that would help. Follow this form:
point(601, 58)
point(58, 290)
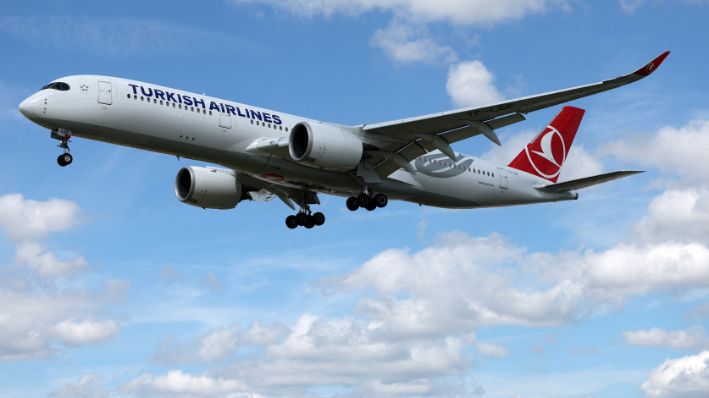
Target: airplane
point(266, 154)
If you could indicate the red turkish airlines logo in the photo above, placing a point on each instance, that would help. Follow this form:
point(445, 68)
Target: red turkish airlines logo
point(548, 153)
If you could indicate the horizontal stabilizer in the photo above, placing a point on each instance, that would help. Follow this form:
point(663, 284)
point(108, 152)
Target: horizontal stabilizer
point(586, 182)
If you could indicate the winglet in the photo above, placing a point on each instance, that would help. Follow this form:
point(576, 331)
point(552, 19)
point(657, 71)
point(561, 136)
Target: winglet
point(649, 68)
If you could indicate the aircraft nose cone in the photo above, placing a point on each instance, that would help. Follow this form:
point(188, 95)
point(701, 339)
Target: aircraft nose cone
point(30, 107)
point(24, 107)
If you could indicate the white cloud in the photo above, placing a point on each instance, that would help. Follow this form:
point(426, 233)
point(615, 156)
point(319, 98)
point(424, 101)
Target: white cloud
point(214, 345)
point(465, 12)
point(676, 215)
point(628, 269)
point(511, 146)
point(29, 316)
point(45, 263)
point(323, 339)
point(218, 344)
point(417, 321)
point(409, 42)
point(579, 164)
point(75, 332)
point(694, 338)
point(437, 298)
point(178, 383)
point(312, 355)
point(27, 219)
point(406, 39)
point(675, 151)
point(491, 350)
point(37, 313)
point(474, 11)
point(86, 386)
point(686, 377)
point(630, 6)
point(259, 334)
point(471, 84)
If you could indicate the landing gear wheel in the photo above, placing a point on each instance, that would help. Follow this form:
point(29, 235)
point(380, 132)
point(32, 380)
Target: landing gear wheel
point(65, 159)
point(319, 219)
point(381, 200)
point(363, 200)
point(305, 219)
point(371, 206)
point(309, 222)
point(291, 222)
point(301, 218)
point(352, 203)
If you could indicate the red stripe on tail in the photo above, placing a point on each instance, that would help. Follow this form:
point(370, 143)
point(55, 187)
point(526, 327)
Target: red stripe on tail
point(547, 152)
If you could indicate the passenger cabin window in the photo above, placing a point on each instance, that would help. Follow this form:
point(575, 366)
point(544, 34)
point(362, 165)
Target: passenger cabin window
point(61, 86)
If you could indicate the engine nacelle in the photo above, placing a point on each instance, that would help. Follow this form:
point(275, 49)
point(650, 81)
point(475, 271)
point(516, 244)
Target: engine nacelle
point(325, 146)
point(208, 187)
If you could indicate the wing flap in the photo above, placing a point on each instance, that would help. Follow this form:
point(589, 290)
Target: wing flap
point(587, 181)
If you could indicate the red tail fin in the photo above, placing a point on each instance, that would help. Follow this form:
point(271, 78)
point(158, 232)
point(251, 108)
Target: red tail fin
point(547, 152)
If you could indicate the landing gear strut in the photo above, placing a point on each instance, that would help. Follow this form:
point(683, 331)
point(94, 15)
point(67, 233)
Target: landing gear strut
point(65, 158)
point(367, 201)
point(305, 218)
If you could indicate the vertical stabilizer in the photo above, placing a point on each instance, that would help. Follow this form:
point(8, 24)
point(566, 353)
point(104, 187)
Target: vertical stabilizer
point(547, 152)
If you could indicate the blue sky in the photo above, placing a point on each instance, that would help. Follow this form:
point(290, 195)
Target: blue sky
point(111, 287)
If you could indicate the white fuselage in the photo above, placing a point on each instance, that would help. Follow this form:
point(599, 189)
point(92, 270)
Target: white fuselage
point(161, 119)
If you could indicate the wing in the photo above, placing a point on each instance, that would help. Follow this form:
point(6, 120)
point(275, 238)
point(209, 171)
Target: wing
point(392, 145)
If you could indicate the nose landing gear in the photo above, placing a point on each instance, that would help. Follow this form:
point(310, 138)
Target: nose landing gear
point(65, 159)
point(63, 136)
point(304, 218)
point(367, 201)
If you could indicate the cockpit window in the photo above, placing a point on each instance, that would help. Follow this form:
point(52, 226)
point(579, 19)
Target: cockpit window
point(61, 86)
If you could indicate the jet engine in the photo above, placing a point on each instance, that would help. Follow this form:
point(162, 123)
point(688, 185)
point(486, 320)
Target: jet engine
point(208, 187)
point(324, 146)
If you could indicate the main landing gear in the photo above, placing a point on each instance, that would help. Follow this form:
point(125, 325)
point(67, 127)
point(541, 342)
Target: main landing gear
point(65, 158)
point(306, 219)
point(367, 201)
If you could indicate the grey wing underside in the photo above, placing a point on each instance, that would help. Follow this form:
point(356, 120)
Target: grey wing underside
point(393, 145)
